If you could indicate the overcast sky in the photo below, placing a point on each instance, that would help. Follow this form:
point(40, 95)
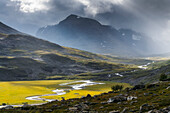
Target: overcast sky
point(151, 17)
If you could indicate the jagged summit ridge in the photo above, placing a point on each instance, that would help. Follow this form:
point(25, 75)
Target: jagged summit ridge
point(90, 35)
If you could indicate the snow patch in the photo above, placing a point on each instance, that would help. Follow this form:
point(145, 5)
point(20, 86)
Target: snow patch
point(117, 74)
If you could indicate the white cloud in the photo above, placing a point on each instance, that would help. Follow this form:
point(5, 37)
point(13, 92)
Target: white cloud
point(98, 6)
point(31, 6)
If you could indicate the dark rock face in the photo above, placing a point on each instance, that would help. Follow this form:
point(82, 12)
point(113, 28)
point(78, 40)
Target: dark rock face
point(78, 32)
point(138, 87)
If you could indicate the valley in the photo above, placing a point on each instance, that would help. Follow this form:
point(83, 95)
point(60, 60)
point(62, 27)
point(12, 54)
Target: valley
point(37, 75)
point(37, 92)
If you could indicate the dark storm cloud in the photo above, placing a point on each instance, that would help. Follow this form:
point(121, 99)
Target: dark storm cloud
point(29, 22)
point(149, 16)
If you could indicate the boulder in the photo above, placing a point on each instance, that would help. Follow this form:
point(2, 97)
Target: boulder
point(138, 87)
point(48, 110)
point(117, 99)
point(131, 98)
point(88, 96)
point(8, 107)
point(145, 107)
point(101, 107)
point(131, 103)
point(154, 111)
point(151, 85)
point(114, 111)
point(145, 94)
point(125, 110)
point(73, 108)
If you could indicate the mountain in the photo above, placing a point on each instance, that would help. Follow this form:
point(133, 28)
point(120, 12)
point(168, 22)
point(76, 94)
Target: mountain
point(90, 35)
point(7, 30)
point(24, 57)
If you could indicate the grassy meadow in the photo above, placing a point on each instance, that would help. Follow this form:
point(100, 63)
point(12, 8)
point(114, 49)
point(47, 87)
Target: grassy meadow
point(15, 92)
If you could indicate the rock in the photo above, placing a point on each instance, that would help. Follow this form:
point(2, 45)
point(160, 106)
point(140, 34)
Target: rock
point(119, 103)
point(145, 107)
point(77, 105)
point(84, 112)
point(168, 108)
point(146, 94)
point(128, 89)
point(164, 110)
point(163, 92)
point(95, 96)
point(154, 111)
point(125, 103)
point(125, 110)
point(150, 92)
point(73, 108)
point(54, 106)
point(114, 111)
point(154, 94)
point(8, 107)
point(104, 103)
point(110, 92)
point(168, 87)
point(126, 95)
point(131, 98)
point(117, 99)
point(120, 94)
point(101, 107)
point(48, 110)
point(63, 99)
point(4, 104)
point(134, 111)
point(84, 106)
point(88, 103)
point(88, 96)
point(138, 87)
point(93, 103)
point(83, 97)
point(131, 103)
point(151, 86)
point(25, 105)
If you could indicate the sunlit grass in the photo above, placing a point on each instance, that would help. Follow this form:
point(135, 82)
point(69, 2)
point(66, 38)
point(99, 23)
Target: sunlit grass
point(15, 92)
point(92, 90)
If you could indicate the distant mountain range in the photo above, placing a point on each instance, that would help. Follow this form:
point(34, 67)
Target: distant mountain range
point(88, 34)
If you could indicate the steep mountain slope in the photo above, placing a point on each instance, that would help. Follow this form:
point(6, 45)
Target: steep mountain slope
point(90, 35)
point(24, 57)
point(7, 30)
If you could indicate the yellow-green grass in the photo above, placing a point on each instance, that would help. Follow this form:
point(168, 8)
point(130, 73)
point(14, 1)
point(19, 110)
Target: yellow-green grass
point(92, 90)
point(15, 92)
